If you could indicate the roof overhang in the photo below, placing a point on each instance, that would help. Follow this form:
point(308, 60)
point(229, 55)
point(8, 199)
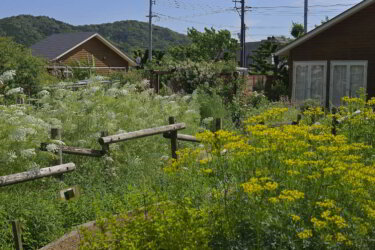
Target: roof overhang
point(106, 42)
point(355, 9)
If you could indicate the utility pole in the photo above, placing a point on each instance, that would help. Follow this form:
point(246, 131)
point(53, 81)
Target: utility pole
point(306, 15)
point(241, 11)
point(150, 16)
point(243, 38)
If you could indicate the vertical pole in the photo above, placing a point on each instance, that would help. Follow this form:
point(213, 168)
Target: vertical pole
point(150, 32)
point(334, 121)
point(105, 147)
point(158, 85)
point(17, 234)
point(56, 135)
point(218, 124)
point(243, 33)
point(173, 139)
point(306, 15)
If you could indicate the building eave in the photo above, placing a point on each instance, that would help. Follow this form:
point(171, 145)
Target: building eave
point(103, 40)
point(341, 17)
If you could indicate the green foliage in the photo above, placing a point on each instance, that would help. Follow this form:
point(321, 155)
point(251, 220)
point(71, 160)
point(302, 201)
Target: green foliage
point(210, 104)
point(131, 77)
point(126, 35)
point(210, 45)
point(30, 73)
point(106, 183)
point(161, 226)
point(278, 77)
point(297, 30)
point(189, 75)
point(326, 19)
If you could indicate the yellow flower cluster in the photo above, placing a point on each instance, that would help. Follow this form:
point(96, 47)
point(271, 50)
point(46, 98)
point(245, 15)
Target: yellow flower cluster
point(305, 234)
point(291, 195)
point(258, 185)
point(268, 115)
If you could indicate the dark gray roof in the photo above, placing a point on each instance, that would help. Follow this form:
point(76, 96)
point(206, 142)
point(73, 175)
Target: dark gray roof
point(55, 45)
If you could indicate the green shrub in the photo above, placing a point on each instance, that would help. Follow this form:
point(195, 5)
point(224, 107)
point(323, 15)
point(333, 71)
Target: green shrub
point(161, 226)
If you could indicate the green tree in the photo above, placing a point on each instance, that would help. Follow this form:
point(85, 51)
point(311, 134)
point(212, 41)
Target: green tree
point(30, 70)
point(326, 19)
point(210, 45)
point(297, 30)
point(275, 68)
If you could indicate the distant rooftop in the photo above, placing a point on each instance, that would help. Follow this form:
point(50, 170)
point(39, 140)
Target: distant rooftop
point(55, 45)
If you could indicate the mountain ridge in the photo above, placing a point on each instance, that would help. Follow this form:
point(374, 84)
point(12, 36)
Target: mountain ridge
point(127, 35)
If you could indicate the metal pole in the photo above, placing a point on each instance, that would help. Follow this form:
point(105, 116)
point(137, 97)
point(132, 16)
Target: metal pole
point(150, 32)
point(306, 15)
point(243, 33)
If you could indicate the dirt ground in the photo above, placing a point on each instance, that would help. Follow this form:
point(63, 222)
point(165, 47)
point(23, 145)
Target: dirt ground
point(69, 241)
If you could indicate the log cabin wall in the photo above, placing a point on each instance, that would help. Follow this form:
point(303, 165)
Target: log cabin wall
point(351, 39)
point(103, 56)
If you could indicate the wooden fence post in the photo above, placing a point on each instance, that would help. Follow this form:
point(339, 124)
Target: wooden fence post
point(334, 121)
point(105, 147)
point(299, 118)
point(173, 138)
point(56, 135)
point(17, 234)
point(218, 124)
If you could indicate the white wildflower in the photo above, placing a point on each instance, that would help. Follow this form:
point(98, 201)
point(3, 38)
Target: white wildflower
point(190, 111)
point(112, 92)
point(8, 76)
point(108, 160)
point(43, 93)
point(28, 153)
point(94, 89)
point(164, 158)
point(56, 123)
point(208, 120)
point(11, 156)
point(52, 148)
point(33, 166)
point(18, 135)
point(123, 92)
point(14, 91)
point(58, 142)
point(187, 98)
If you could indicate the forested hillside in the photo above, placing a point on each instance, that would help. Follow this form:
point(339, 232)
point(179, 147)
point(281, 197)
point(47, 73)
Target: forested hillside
point(127, 35)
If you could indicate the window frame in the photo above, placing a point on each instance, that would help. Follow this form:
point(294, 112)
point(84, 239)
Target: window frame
point(310, 64)
point(347, 63)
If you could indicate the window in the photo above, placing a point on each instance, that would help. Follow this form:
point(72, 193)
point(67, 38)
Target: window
point(310, 81)
point(347, 77)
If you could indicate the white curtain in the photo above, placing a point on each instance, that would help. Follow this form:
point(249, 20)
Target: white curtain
point(357, 74)
point(301, 82)
point(347, 77)
point(317, 82)
point(339, 84)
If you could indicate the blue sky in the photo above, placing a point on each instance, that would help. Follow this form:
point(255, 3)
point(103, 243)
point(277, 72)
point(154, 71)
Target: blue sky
point(268, 17)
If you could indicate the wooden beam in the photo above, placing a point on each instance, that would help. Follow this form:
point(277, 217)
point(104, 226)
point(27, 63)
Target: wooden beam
point(76, 151)
point(17, 234)
point(182, 137)
point(141, 133)
point(36, 174)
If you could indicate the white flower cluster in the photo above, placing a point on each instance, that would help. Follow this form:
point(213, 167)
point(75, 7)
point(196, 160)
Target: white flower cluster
point(15, 91)
point(20, 134)
point(52, 148)
point(7, 76)
point(27, 153)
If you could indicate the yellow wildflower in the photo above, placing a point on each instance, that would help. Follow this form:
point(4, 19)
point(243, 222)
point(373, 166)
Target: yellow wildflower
point(305, 234)
point(295, 218)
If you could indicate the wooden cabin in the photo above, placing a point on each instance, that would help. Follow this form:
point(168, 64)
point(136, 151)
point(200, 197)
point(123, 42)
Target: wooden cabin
point(81, 50)
point(336, 59)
